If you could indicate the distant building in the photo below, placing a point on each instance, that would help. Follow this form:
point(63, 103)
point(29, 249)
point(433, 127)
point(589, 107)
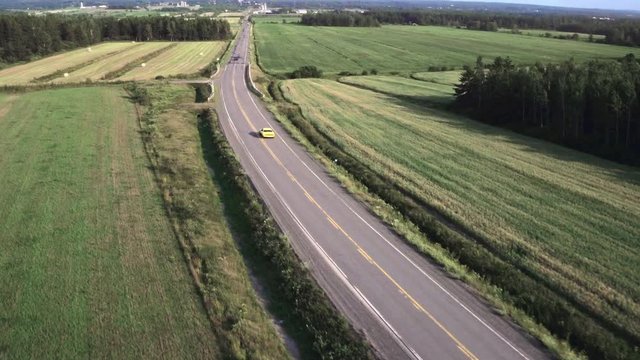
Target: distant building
point(301, 11)
point(263, 9)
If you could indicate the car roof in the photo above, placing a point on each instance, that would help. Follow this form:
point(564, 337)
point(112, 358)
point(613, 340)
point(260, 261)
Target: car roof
point(267, 129)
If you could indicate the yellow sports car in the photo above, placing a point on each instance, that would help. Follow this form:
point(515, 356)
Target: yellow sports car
point(267, 133)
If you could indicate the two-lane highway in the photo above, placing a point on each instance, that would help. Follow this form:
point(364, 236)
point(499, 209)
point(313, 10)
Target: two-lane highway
point(406, 306)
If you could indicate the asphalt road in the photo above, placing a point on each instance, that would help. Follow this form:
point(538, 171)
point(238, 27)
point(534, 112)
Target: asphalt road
point(407, 307)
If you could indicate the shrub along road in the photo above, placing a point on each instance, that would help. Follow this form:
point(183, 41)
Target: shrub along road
point(406, 306)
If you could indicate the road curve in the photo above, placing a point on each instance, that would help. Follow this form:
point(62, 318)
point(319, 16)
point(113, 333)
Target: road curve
point(407, 307)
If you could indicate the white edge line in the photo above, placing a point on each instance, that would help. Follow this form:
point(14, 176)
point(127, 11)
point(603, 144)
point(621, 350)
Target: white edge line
point(341, 275)
point(455, 299)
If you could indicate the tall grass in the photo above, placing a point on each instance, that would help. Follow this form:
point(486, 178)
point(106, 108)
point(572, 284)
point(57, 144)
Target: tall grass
point(89, 265)
point(470, 176)
point(171, 132)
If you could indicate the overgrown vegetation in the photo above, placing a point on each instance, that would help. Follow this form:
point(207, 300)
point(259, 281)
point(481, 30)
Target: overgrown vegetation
point(307, 71)
point(593, 107)
point(585, 321)
point(170, 129)
point(332, 336)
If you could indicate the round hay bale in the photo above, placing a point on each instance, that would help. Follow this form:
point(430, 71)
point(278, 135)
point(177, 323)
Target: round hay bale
point(201, 54)
point(143, 64)
point(89, 49)
point(66, 74)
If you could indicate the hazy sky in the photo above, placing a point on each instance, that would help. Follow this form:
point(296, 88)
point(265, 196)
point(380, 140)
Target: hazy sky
point(598, 4)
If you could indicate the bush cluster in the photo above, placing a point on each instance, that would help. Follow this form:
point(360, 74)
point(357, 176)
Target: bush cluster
point(138, 94)
point(333, 338)
point(203, 91)
point(307, 71)
point(525, 292)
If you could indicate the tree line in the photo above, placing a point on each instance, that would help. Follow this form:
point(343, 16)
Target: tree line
point(339, 18)
point(615, 31)
point(594, 107)
point(24, 36)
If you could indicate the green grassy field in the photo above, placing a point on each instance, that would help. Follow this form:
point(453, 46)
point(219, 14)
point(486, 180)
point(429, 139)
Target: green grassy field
point(23, 74)
point(450, 78)
point(89, 266)
point(285, 47)
point(566, 216)
point(185, 58)
point(411, 89)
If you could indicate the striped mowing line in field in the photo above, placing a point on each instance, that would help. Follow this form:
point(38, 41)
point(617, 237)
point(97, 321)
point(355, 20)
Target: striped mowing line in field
point(404, 87)
point(439, 77)
point(98, 69)
point(566, 216)
point(186, 58)
point(23, 74)
point(285, 47)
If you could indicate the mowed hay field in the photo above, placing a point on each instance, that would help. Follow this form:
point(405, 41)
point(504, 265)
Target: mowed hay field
point(410, 89)
point(565, 216)
point(185, 58)
point(285, 47)
point(98, 69)
point(23, 74)
point(89, 266)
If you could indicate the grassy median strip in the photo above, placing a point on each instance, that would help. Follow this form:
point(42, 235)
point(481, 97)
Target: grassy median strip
point(330, 335)
point(524, 290)
point(137, 62)
point(170, 130)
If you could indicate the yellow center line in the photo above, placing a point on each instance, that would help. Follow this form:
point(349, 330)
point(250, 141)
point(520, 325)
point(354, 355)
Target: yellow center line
point(362, 252)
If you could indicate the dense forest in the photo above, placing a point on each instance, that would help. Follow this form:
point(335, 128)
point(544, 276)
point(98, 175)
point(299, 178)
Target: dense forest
point(594, 107)
point(24, 36)
point(615, 31)
point(339, 18)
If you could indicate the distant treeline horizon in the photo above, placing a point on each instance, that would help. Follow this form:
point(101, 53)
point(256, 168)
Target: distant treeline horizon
point(619, 32)
point(24, 37)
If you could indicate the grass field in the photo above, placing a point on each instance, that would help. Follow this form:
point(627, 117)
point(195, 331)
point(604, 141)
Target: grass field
point(411, 89)
point(285, 47)
point(451, 78)
point(89, 266)
point(568, 217)
point(97, 70)
point(25, 73)
point(542, 33)
point(234, 21)
point(186, 58)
